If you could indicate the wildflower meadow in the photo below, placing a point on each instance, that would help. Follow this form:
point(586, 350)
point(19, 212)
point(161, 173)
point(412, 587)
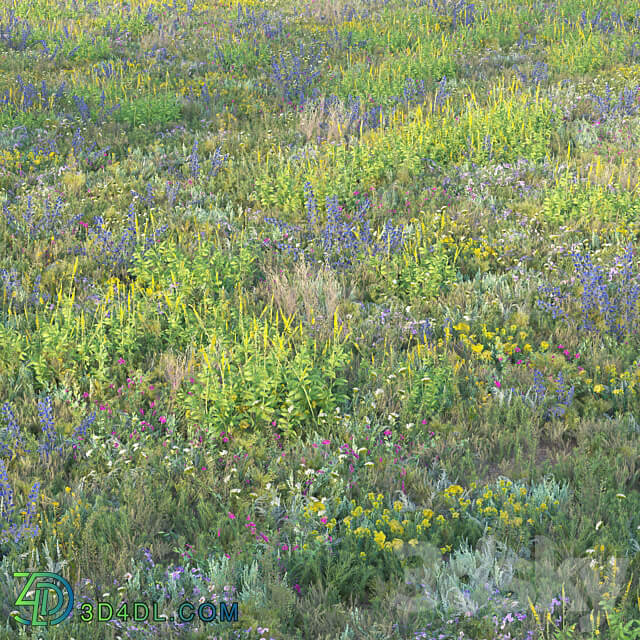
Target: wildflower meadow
point(319, 319)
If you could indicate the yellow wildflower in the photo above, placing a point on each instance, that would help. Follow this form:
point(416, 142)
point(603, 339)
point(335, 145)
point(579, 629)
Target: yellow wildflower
point(379, 538)
point(397, 544)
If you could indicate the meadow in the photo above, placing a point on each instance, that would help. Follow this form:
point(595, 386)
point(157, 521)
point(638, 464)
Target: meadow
point(324, 313)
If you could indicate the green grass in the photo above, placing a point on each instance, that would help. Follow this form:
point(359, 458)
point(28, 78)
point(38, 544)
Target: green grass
point(407, 412)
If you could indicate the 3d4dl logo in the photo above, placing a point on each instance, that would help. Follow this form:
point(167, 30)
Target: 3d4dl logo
point(40, 600)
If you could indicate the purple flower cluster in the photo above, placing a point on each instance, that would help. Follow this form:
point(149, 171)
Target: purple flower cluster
point(564, 397)
point(294, 80)
point(51, 437)
point(340, 242)
point(247, 23)
point(119, 255)
point(619, 310)
point(606, 108)
point(15, 33)
point(15, 533)
point(13, 431)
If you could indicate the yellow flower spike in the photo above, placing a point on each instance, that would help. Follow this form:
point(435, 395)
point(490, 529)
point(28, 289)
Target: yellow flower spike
point(535, 613)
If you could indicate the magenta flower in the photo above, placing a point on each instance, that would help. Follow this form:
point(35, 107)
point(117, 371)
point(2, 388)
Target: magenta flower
point(120, 360)
point(497, 383)
point(232, 515)
point(162, 419)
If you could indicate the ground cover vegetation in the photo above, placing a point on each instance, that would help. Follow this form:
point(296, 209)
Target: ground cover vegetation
point(328, 308)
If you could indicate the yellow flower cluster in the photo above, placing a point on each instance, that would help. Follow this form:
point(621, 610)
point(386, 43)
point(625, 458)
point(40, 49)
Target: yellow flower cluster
point(499, 342)
point(377, 523)
point(505, 506)
point(15, 158)
point(627, 381)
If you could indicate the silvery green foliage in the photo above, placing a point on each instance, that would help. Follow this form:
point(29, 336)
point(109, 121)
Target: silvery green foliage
point(467, 584)
point(214, 209)
point(359, 626)
point(494, 581)
point(253, 585)
point(218, 570)
point(583, 133)
point(547, 491)
point(47, 562)
point(15, 138)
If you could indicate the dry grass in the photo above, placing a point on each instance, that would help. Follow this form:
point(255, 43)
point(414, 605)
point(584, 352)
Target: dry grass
point(337, 11)
point(310, 121)
point(313, 116)
point(316, 296)
point(176, 368)
point(330, 11)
